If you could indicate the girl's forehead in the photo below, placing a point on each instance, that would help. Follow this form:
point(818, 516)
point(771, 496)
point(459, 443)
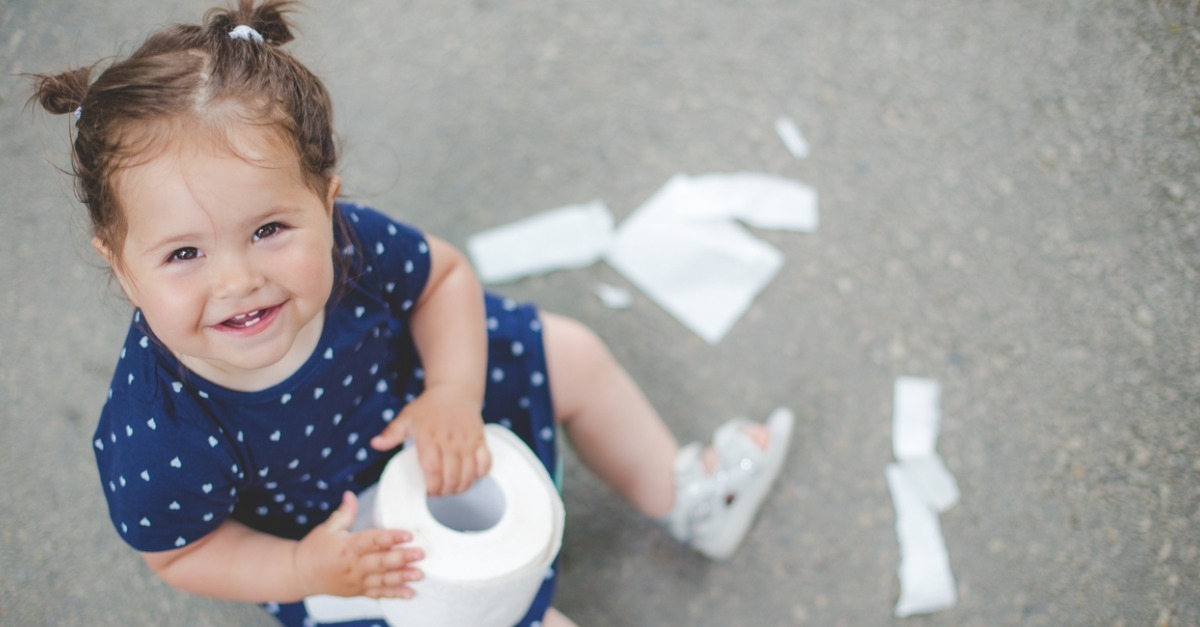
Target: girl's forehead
point(225, 129)
point(260, 144)
point(183, 151)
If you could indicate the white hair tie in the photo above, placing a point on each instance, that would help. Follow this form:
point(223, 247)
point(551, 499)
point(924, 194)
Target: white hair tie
point(241, 31)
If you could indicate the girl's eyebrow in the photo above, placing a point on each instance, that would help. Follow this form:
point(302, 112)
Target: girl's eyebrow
point(170, 242)
point(270, 213)
point(250, 222)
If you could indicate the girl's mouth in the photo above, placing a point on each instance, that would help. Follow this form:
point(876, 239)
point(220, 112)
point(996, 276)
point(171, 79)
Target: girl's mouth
point(249, 319)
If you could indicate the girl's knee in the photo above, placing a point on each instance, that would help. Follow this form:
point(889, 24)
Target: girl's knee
point(576, 359)
point(572, 345)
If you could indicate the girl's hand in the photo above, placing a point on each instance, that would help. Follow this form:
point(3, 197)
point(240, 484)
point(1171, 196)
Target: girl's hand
point(331, 560)
point(450, 444)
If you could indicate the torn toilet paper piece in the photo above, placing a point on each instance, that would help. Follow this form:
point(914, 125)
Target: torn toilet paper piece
point(612, 296)
point(703, 270)
point(568, 237)
point(790, 135)
point(921, 488)
point(926, 583)
point(933, 481)
point(916, 418)
point(706, 275)
point(760, 200)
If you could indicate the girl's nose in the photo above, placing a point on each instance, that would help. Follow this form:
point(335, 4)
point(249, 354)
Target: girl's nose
point(237, 277)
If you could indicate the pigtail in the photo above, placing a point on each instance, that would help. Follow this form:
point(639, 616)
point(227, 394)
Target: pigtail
point(269, 19)
point(61, 93)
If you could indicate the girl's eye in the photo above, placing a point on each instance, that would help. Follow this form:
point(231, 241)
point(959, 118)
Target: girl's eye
point(184, 254)
point(267, 230)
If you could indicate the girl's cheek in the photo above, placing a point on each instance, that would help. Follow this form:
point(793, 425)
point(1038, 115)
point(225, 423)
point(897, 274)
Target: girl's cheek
point(313, 260)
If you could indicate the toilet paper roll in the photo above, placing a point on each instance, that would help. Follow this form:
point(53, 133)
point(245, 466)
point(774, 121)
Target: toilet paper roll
point(487, 550)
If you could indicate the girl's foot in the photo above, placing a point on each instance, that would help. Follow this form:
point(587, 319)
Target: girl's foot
point(719, 491)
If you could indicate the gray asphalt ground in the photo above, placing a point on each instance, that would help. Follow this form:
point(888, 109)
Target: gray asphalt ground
point(1009, 205)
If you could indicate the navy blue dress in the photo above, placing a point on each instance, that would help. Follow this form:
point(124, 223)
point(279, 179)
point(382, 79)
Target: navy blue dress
point(178, 454)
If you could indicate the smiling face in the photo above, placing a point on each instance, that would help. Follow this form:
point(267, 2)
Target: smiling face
point(228, 254)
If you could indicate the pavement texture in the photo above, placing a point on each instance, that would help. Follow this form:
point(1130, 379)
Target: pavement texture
point(1010, 205)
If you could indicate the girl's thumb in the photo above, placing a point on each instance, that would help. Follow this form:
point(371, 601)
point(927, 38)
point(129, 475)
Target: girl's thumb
point(392, 435)
point(343, 517)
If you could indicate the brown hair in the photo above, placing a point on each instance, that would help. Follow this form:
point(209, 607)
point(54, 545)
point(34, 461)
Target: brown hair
point(194, 77)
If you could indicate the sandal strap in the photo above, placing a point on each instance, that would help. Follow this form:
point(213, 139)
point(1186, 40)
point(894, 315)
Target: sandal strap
point(698, 494)
point(737, 453)
point(690, 492)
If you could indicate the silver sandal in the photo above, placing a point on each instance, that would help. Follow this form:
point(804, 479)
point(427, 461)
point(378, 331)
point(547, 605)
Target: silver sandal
point(713, 513)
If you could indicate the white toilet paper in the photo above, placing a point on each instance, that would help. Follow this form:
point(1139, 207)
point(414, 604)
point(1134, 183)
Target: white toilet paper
point(568, 237)
point(487, 550)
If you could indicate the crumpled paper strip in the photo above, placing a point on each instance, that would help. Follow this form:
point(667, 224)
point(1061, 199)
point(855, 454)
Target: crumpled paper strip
point(790, 135)
point(933, 481)
point(916, 417)
point(926, 583)
point(760, 200)
point(568, 237)
point(921, 487)
point(703, 270)
point(612, 296)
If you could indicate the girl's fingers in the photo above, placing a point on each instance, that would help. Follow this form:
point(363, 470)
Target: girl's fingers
point(382, 541)
point(392, 578)
point(461, 470)
point(403, 592)
point(483, 461)
point(412, 554)
point(451, 472)
point(400, 558)
point(398, 578)
point(469, 473)
point(378, 590)
point(430, 458)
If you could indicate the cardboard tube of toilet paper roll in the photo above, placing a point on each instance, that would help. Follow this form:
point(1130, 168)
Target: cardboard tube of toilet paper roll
point(487, 550)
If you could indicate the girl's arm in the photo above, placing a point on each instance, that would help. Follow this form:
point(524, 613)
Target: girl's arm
point(451, 336)
point(237, 563)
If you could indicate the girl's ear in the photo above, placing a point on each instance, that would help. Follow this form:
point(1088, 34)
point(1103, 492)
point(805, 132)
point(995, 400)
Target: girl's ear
point(104, 251)
point(331, 194)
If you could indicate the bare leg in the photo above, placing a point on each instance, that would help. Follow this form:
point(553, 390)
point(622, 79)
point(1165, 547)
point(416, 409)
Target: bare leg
point(555, 618)
point(612, 426)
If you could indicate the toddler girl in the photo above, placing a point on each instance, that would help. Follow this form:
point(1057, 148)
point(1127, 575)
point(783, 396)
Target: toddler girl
point(283, 344)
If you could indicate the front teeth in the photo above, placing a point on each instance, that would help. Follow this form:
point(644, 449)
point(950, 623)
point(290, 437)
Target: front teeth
point(247, 320)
